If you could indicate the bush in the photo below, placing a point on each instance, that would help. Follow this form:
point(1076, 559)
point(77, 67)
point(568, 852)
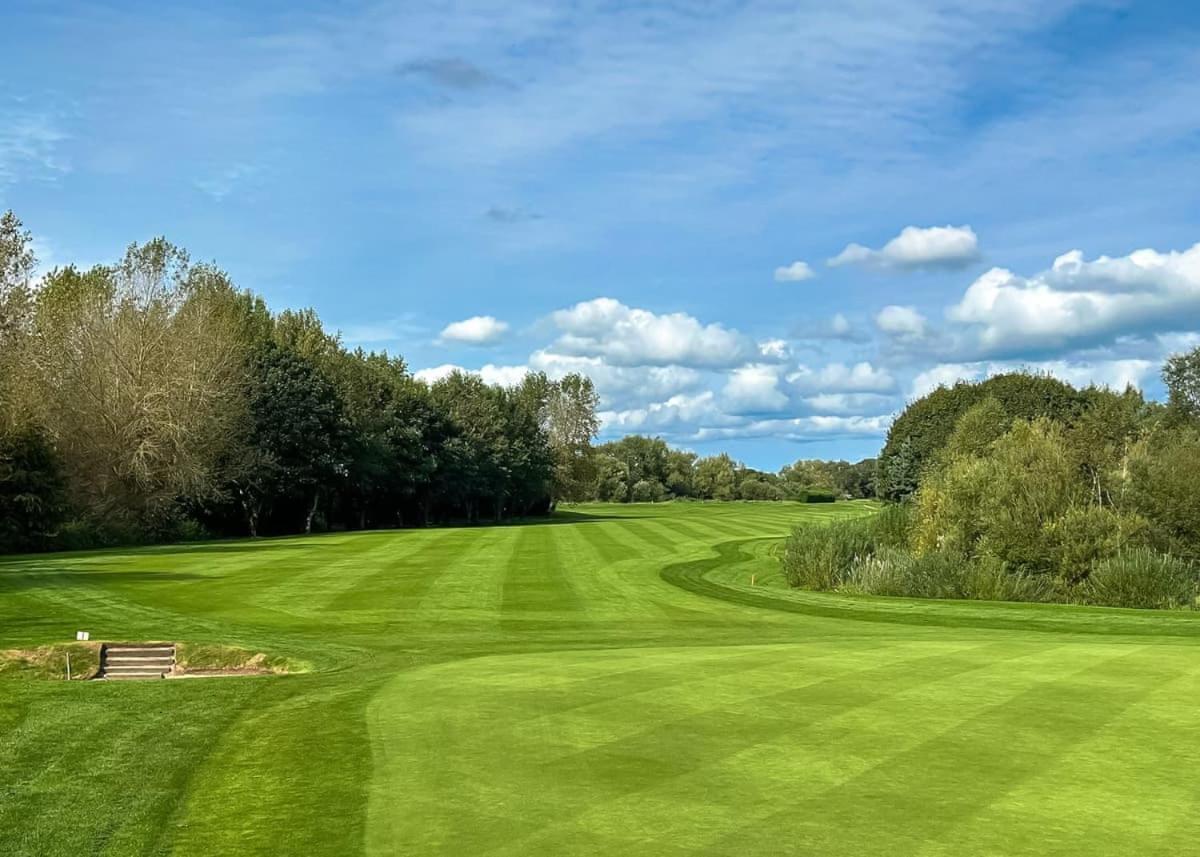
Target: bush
point(1164, 488)
point(818, 495)
point(759, 489)
point(988, 578)
point(886, 572)
point(819, 557)
point(31, 490)
point(648, 491)
point(942, 574)
point(1140, 577)
point(892, 525)
point(87, 534)
point(1000, 503)
point(1087, 534)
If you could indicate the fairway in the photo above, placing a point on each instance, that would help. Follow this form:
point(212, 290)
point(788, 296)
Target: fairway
point(625, 680)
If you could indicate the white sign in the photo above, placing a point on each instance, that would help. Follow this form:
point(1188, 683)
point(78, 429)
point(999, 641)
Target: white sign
point(82, 635)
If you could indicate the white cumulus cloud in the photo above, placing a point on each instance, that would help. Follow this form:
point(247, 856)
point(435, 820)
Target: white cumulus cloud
point(916, 247)
point(501, 376)
point(1078, 302)
point(477, 330)
point(794, 273)
point(754, 389)
point(862, 377)
point(626, 336)
point(617, 384)
point(902, 322)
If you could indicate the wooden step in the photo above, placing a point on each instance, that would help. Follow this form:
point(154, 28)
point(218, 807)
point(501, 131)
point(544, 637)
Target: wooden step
point(136, 670)
point(139, 650)
point(139, 657)
point(129, 661)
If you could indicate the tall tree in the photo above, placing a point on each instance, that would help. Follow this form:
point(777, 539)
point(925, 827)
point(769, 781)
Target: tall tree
point(32, 498)
point(140, 377)
point(297, 440)
point(1181, 374)
point(17, 264)
point(716, 477)
point(571, 405)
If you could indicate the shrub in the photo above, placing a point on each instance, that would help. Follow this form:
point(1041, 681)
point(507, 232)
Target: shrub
point(1087, 534)
point(988, 578)
point(1001, 502)
point(942, 574)
point(648, 491)
point(818, 495)
point(892, 525)
point(886, 572)
point(89, 534)
point(31, 490)
point(819, 557)
point(894, 571)
point(1164, 488)
point(1140, 577)
point(758, 489)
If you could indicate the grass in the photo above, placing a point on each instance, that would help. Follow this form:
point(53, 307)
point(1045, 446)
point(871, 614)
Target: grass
point(609, 682)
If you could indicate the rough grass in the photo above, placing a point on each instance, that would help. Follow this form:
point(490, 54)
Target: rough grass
point(621, 680)
point(50, 662)
point(200, 658)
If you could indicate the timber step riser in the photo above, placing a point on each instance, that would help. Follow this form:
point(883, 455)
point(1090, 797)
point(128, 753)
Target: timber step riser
point(136, 662)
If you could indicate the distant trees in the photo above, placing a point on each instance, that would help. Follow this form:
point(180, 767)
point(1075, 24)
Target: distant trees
point(644, 469)
point(151, 399)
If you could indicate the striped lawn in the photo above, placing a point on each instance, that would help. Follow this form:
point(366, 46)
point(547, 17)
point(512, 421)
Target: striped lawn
point(621, 680)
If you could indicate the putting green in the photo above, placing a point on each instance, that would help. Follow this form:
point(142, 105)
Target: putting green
point(629, 680)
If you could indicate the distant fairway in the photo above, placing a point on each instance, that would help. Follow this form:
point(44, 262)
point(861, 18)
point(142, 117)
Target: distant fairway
point(607, 683)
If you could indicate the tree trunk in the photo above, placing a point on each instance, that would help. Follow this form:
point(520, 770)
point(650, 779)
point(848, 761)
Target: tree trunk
point(312, 511)
point(251, 508)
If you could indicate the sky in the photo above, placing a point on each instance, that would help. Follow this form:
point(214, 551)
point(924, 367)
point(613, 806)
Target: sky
point(760, 228)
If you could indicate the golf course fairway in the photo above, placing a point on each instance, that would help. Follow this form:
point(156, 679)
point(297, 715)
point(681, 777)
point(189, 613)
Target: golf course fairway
point(625, 680)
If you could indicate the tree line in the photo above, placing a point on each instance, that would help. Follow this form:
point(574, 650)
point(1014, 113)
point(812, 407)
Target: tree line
point(645, 469)
point(153, 400)
point(1022, 487)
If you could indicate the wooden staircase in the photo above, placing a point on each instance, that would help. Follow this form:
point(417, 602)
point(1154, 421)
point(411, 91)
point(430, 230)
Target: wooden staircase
point(132, 661)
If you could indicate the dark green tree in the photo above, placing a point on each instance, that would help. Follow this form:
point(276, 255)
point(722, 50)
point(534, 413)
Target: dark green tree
point(32, 498)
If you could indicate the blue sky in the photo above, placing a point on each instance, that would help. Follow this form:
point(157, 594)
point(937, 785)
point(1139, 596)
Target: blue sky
point(626, 189)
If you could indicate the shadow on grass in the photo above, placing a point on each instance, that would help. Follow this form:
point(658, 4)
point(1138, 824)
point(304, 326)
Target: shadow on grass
point(50, 562)
point(55, 576)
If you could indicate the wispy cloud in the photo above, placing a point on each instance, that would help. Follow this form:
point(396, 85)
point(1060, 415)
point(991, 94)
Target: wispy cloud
point(224, 182)
point(31, 145)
